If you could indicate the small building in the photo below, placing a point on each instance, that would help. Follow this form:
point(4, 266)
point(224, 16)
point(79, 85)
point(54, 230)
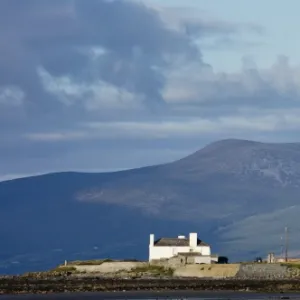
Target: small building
point(188, 249)
point(195, 258)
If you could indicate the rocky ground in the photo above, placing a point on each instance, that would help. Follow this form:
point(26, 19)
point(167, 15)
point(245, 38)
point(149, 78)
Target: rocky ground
point(250, 277)
point(26, 285)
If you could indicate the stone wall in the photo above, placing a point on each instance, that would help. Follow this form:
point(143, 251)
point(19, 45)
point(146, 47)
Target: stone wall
point(217, 271)
point(266, 271)
point(208, 271)
point(182, 260)
point(174, 262)
point(239, 271)
point(110, 267)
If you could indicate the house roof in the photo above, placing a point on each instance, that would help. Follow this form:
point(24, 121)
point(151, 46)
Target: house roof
point(167, 242)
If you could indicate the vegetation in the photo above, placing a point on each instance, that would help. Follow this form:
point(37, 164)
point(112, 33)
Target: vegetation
point(30, 274)
point(88, 262)
point(291, 265)
point(63, 269)
point(223, 260)
point(154, 270)
point(59, 270)
point(130, 260)
point(94, 262)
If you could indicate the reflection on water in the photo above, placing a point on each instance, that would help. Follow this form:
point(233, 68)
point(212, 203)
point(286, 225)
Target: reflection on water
point(184, 295)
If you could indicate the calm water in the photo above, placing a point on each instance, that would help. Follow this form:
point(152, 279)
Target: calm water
point(159, 295)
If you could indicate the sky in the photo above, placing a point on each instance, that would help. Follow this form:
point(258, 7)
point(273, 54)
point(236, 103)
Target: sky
point(104, 85)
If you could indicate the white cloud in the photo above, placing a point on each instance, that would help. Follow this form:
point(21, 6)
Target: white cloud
point(195, 83)
point(177, 17)
point(11, 96)
point(147, 82)
point(56, 136)
point(92, 96)
point(181, 128)
point(194, 127)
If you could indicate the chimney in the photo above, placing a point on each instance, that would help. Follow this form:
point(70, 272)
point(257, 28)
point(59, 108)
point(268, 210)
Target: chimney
point(151, 244)
point(193, 240)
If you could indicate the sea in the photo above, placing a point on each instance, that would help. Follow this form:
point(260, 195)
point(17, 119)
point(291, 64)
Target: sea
point(173, 295)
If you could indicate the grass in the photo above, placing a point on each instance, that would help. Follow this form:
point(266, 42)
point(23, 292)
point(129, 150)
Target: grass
point(63, 269)
point(30, 274)
point(95, 262)
point(291, 265)
point(154, 270)
point(58, 269)
point(88, 262)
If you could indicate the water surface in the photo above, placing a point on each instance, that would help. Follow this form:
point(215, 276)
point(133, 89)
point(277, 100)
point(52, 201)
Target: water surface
point(172, 295)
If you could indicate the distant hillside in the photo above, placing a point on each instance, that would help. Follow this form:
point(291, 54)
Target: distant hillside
point(239, 195)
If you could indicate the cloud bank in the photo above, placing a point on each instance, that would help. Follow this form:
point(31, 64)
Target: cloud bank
point(83, 80)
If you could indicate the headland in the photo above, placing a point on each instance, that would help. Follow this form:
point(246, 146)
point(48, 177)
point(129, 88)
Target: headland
point(105, 276)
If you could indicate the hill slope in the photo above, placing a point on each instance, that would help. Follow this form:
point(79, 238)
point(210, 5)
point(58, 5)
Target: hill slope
point(237, 194)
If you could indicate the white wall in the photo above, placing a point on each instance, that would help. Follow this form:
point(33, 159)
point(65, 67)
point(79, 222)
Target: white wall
point(193, 240)
point(109, 267)
point(167, 252)
point(203, 260)
point(158, 252)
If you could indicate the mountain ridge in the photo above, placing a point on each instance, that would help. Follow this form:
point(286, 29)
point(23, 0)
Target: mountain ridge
point(222, 191)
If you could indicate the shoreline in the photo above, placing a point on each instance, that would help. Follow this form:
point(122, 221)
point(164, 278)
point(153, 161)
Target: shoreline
point(21, 285)
point(170, 295)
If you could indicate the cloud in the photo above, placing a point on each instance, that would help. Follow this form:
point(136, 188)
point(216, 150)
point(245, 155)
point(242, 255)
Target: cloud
point(93, 96)
point(259, 88)
point(60, 35)
point(195, 21)
point(103, 85)
point(11, 96)
point(98, 74)
point(186, 128)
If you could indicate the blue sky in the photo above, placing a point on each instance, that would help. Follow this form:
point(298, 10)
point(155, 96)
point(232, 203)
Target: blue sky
point(279, 19)
point(105, 85)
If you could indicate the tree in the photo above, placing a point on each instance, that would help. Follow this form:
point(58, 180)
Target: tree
point(222, 260)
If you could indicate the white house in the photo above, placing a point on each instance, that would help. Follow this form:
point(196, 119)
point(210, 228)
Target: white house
point(169, 247)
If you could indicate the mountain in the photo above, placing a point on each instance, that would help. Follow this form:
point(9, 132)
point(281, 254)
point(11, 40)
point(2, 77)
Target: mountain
point(237, 194)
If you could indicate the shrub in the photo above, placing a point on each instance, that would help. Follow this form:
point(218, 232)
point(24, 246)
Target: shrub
point(291, 265)
point(63, 269)
point(154, 270)
point(89, 262)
